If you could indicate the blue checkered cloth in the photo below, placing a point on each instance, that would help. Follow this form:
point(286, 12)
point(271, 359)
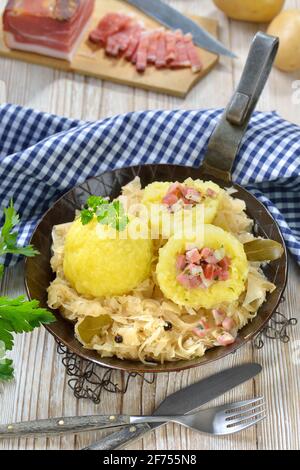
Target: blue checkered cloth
point(42, 156)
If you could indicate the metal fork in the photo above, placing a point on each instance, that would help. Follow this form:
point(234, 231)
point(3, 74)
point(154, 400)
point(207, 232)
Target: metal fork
point(220, 420)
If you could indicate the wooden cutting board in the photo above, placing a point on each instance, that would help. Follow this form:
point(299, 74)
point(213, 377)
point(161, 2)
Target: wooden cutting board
point(90, 60)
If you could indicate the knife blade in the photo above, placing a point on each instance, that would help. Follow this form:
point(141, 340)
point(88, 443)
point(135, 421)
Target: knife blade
point(172, 18)
point(182, 402)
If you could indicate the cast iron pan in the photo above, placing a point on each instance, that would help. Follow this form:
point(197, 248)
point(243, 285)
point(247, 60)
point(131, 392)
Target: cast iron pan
point(222, 148)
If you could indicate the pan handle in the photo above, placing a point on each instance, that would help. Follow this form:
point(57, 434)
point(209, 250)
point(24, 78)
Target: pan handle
point(226, 139)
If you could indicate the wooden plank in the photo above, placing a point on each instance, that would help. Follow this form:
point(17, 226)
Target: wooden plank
point(45, 392)
point(3, 95)
point(92, 61)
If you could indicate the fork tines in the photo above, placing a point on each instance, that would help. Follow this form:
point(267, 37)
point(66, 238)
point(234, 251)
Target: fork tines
point(244, 414)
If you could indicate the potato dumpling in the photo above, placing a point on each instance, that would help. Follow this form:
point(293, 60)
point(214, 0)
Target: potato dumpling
point(257, 11)
point(161, 195)
point(218, 291)
point(98, 265)
point(287, 27)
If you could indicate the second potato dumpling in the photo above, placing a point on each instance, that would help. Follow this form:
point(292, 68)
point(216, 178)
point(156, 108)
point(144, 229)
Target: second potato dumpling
point(203, 273)
point(173, 199)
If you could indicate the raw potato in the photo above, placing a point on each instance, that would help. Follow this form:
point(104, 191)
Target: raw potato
point(287, 27)
point(257, 11)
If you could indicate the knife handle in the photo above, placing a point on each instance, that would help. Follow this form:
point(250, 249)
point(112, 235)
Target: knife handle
point(118, 439)
point(74, 424)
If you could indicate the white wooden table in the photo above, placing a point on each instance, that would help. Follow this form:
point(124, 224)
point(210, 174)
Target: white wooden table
point(40, 388)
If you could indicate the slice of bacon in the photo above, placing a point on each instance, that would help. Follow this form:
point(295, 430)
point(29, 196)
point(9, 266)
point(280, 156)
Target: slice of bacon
point(113, 44)
point(161, 51)
point(153, 46)
point(142, 52)
point(170, 46)
point(134, 41)
point(119, 42)
point(110, 24)
point(181, 55)
point(192, 54)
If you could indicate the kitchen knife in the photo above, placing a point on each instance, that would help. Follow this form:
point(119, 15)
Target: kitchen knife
point(184, 401)
point(171, 18)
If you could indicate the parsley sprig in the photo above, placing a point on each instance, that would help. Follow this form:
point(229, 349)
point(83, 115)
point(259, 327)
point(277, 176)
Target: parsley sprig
point(9, 236)
point(107, 213)
point(16, 315)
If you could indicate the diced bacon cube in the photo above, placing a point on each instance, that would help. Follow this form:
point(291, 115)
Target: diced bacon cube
point(211, 259)
point(195, 282)
point(225, 263)
point(192, 194)
point(218, 316)
point(209, 271)
point(228, 324)
point(203, 328)
point(194, 269)
point(193, 256)
point(184, 280)
point(169, 199)
point(225, 339)
point(200, 332)
point(205, 252)
point(211, 193)
point(180, 262)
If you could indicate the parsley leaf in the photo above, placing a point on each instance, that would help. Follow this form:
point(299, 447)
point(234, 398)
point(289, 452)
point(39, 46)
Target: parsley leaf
point(6, 369)
point(86, 216)
point(20, 316)
point(8, 237)
point(16, 315)
point(107, 213)
point(95, 201)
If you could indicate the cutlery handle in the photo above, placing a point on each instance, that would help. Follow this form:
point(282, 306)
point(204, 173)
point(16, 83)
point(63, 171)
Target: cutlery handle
point(118, 439)
point(73, 424)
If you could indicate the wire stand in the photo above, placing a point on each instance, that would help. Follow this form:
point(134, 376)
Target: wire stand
point(276, 329)
point(89, 380)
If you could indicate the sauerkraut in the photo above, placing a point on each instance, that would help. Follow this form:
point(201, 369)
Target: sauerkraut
point(144, 325)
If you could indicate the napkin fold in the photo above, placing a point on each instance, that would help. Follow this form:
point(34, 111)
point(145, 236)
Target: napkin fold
point(42, 156)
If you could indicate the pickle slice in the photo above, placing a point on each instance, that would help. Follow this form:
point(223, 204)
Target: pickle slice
point(263, 250)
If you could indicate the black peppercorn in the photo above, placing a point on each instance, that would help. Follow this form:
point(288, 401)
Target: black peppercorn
point(119, 339)
point(168, 326)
